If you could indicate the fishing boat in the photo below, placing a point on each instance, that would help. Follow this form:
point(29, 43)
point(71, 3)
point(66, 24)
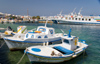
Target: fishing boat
point(5, 32)
point(69, 48)
point(77, 19)
point(24, 38)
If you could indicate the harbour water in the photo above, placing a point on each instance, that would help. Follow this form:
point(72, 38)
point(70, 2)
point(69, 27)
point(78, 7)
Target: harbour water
point(86, 32)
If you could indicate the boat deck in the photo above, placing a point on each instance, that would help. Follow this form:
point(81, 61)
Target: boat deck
point(49, 50)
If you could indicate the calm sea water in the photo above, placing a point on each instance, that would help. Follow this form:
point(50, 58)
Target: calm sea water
point(89, 33)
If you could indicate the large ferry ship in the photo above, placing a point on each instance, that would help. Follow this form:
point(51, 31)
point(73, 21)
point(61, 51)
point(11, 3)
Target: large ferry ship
point(76, 19)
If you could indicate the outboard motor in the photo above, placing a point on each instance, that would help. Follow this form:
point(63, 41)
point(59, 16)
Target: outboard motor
point(10, 29)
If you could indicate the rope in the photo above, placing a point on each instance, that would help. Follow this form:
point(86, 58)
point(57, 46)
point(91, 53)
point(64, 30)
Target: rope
point(83, 56)
point(22, 57)
point(2, 44)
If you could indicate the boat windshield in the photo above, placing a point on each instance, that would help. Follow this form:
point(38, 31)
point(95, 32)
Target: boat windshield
point(66, 41)
point(42, 29)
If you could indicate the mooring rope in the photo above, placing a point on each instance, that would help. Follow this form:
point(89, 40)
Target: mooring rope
point(22, 57)
point(83, 56)
point(2, 44)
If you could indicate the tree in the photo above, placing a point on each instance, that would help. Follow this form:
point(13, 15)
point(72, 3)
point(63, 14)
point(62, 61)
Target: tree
point(33, 17)
point(12, 17)
point(38, 17)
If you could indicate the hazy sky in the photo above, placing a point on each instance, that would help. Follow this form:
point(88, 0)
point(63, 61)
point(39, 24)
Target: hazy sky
point(49, 7)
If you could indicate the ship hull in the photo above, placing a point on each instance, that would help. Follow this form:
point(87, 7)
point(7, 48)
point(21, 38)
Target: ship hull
point(76, 22)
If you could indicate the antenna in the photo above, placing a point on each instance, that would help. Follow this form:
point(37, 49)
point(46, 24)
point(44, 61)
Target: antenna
point(69, 35)
point(46, 23)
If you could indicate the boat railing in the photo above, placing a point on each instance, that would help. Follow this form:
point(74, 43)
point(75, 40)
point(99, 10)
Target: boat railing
point(82, 41)
point(31, 30)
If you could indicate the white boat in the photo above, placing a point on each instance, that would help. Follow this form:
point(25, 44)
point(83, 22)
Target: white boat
point(24, 38)
point(2, 30)
point(55, 53)
point(76, 19)
point(5, 32)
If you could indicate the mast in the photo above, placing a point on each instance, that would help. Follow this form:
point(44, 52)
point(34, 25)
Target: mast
point(79, 11)
point(73, 11)
point(60, 13)
point(28, 14)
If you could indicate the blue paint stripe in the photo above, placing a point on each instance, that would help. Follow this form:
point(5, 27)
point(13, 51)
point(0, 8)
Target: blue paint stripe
point(81, 41)
point(30, 41)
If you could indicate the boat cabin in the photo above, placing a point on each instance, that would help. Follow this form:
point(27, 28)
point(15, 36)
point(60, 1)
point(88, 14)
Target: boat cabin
point(70, 42)
point(46, 30)
point(41, 32)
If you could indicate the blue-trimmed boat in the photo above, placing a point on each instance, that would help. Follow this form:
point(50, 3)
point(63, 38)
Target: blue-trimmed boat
point(24, 38)
point(69, 48)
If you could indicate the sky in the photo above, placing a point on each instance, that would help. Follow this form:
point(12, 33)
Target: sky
point(49, 7)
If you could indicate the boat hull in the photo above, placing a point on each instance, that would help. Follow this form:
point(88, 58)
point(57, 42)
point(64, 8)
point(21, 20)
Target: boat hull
point(34, 58)
point(51, 59)
point(38, 58)
point(14, 44)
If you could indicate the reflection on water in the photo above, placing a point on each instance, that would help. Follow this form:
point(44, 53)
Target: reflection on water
point(89, 33)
